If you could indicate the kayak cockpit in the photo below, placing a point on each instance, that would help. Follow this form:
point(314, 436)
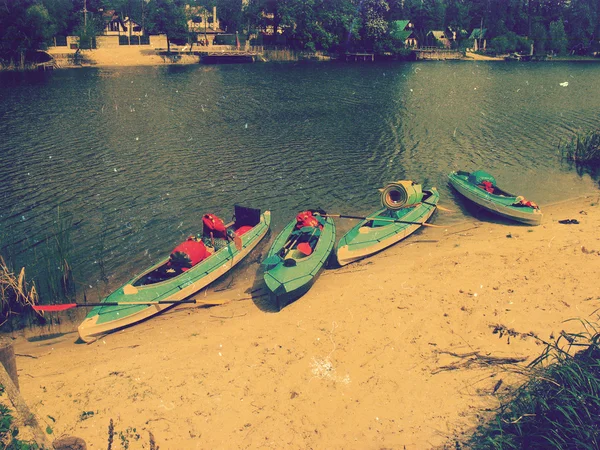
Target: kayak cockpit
point(216, 236)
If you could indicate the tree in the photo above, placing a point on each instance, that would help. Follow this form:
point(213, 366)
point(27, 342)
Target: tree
point(558, 37)
point(539, 36)
point(167, 17)
point(374, 23)
point(25, 26)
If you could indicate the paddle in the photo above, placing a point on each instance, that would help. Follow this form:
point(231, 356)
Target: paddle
point(237, 240)
point(65, 306)
point(343, 216)
point(275, 259)
point(304, 247)
point(441, 208)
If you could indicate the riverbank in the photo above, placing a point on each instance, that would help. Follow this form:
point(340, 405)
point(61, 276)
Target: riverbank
point(131, 56)
point(380, 353)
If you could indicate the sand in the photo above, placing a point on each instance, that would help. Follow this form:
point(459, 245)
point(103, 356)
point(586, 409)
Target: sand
point(369, 358)
point(123, 56)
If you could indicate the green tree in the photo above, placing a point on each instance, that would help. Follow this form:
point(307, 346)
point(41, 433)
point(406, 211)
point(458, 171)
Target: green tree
point(25, 25)
point(539, 36)
point(558, 37)
point(374, 24)
point(317, 24)
point(581, 18)
point(167, 17)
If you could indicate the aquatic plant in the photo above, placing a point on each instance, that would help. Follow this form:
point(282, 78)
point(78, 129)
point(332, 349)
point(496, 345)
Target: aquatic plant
point(559, 407)
point(55, 279)
point(583, 148)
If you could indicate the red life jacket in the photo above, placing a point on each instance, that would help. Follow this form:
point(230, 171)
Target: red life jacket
point(306, 219)
point(214, 225)
point(487, 186)
point(188, 254)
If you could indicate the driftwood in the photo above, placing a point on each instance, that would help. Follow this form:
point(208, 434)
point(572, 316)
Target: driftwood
point(7, 359)
point(476, 359)
point(23, 410)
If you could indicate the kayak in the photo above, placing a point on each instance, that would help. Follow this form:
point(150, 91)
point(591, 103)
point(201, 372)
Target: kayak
point(157, 284)
point(380, 230)
point(297, 257)
point(480, 187)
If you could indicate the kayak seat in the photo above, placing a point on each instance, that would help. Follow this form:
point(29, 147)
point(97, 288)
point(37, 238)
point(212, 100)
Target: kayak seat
point(243, 229)
point(297, 255)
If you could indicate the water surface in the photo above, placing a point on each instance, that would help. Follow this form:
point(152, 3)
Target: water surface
point(137, 155)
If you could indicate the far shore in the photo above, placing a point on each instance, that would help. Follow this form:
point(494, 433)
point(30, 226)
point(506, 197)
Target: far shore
point(123, 56)
point(388, 352)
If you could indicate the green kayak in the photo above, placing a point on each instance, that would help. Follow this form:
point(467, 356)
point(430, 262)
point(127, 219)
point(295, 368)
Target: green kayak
point(384, 228)
point(297, 256)
point(156, 284)
point(480, 187)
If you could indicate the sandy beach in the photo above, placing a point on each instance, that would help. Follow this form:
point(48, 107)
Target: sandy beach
point(382, 353)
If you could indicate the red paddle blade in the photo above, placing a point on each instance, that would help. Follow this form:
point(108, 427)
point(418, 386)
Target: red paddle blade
point(55, 307)
point(304, 248)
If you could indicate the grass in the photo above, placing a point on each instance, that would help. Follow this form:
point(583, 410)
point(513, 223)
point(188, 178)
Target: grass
point(559, 407)
point(583, 148)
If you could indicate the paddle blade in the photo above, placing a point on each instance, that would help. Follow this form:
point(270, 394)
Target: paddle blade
point(237, 241)
point(62, 307)
point(271, 261)
point(304, 248)
point(425, 224)
point(441, 208)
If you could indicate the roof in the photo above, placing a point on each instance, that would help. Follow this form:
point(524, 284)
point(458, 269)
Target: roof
point(401, 24)
point(398, 31)
point(438, 34)
point(478, 33)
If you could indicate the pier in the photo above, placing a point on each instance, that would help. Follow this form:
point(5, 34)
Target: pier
point(434, 53)
point(354, 57)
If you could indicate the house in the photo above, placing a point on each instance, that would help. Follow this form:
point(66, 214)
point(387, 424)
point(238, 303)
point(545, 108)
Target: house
point(455, 34)
point(203, 23)
point(478, 36)
point(115, 26)
point(437, 36)
point(403, 31)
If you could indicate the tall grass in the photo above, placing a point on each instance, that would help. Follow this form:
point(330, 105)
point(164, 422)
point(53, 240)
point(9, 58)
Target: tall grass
point(559, 407)
point(583, 148)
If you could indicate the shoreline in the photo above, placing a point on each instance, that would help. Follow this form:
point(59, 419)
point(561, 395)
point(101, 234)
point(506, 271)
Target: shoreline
point(382, 340)
point(134, 56)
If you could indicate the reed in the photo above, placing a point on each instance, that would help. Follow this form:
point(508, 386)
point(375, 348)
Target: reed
point(16, 294)
point(55, 279)
point(583, 148)
point(559, 407)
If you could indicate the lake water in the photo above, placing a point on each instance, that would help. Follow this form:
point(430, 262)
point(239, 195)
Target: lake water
point(136, 155)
